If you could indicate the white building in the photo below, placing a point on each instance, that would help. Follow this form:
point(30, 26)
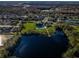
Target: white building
point(4, 38)
point(47, 11)
point(1, 41)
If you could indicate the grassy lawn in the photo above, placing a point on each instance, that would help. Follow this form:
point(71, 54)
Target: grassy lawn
point(28, 27)
point(76, 28)
point(32, 27)
point(50, 30)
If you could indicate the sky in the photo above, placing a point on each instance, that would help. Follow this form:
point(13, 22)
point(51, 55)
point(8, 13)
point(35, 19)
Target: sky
point(39, 0)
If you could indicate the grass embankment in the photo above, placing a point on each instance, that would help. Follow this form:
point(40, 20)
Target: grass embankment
point(73, 36)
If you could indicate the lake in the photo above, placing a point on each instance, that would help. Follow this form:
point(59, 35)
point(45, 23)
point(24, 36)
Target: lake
point(36, 45)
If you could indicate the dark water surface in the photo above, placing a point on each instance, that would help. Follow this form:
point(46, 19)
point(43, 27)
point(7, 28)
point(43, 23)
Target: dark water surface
point(40, 25)
point(36, 45)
